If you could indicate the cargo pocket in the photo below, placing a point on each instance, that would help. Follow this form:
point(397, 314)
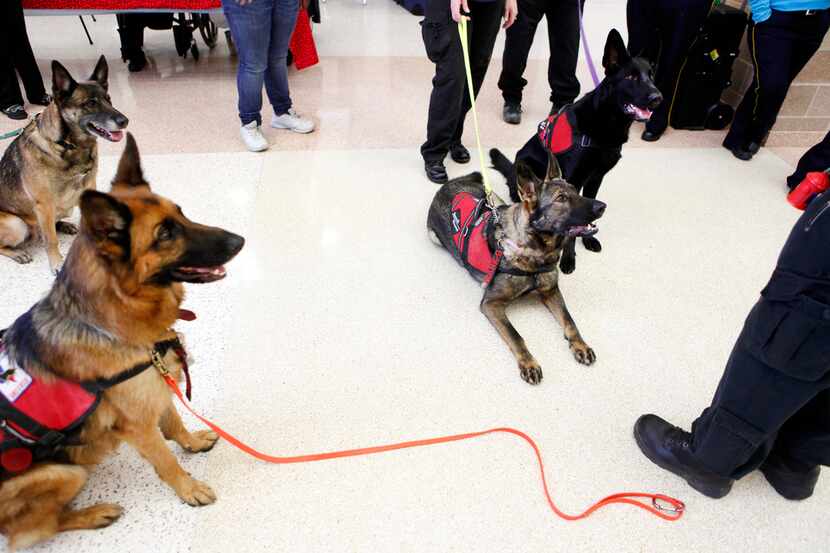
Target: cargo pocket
point(794, 338)
point(436, 39)
point(729, 442)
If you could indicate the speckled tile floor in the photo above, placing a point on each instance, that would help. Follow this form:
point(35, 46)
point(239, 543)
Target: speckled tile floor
point(338, 324)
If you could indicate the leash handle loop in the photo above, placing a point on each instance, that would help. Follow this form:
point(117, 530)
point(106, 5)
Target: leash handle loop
point(649, 502)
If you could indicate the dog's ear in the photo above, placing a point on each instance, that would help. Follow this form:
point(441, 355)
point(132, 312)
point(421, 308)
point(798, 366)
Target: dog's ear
point(101, 72)
point(616, 54)
point(107, 222)
point(528, 186)
point(62, 82)
point(554, 171)
point(129, 173)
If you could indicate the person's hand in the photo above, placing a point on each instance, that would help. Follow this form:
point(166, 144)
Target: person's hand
point(457, 5)
point(304, 4)
point(511, 11)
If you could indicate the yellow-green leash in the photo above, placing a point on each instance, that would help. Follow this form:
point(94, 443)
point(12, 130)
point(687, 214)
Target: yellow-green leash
point(11, 134)
point(488, 188)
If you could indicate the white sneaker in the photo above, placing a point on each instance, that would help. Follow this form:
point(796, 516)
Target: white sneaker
point(252, 137)
point(293, 122)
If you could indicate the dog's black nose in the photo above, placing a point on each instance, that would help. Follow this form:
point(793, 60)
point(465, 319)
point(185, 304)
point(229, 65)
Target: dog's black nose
point(654, 100)
point(121, 120)
point(234, 243)
point(598, 208)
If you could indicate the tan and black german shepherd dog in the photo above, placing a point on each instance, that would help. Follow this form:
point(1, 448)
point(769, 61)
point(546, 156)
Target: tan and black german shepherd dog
point(531, 235)
point(45, 170)
point(117, 295)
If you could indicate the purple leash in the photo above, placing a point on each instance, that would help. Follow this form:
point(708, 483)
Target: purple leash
point(588, 57)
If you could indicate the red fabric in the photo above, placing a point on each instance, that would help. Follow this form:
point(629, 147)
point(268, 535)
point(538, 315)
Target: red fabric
point(814, 183)
point(56, 405)
point(302, 43)
point(122, 5)
point(468, 232)
point(16, 460)
point(560, 139)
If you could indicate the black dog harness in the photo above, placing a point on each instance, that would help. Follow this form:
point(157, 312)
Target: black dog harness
point(39, 416)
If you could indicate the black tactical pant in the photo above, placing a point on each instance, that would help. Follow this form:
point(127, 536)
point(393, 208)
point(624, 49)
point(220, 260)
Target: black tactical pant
point(563, 38)
point(780, 47)
point(662, 32)
point(773, 401)
point(16, 57)
point(450, 100)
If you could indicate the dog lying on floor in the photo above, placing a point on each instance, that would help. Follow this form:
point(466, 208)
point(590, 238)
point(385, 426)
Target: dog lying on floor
point(45, 170)
point(109, 311)
point(514, 249)
point(587, 136)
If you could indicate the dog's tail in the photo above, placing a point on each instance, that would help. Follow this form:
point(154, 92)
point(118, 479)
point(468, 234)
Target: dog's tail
point(506, 168)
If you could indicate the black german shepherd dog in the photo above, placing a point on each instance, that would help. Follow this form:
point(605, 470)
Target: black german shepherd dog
point(587, 136)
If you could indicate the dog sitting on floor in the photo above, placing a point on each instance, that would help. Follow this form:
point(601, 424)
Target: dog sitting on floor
point(93, 344)
point(514, 249)
point(46, 169)
point(587, 136)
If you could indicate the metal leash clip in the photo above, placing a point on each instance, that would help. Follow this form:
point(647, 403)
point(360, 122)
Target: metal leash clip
point(158, 362)
point(657, 503)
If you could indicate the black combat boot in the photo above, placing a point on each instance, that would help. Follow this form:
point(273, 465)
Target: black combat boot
point(668, 447)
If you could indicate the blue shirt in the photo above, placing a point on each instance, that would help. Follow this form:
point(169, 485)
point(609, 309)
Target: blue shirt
point(762, 9)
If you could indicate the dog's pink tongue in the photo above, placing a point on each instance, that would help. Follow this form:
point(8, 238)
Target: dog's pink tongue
point(116, 135)
point(643, 114)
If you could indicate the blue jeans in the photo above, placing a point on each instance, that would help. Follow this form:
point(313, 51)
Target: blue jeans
point(261, 31)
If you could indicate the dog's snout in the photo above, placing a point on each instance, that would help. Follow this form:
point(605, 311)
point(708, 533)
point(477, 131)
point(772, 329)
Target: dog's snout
point(234, 243)
point(655, 99)
point(598, 208)
point(121, 120)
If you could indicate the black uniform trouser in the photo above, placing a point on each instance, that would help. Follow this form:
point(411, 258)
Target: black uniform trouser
point(774, 398)
point(662, 31)
point(450, 100)
point(563, 39)
point(780, 48)
point(16, 57)
point(816, 158)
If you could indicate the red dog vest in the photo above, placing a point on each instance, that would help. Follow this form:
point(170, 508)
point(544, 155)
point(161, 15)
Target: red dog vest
point(468, 225)
point(556, 133)
point(38, 415)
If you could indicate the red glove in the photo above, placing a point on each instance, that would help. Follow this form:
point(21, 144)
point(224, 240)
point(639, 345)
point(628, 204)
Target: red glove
point(814, 183)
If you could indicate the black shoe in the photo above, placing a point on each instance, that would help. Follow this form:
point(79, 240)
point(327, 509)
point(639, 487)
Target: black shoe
point(137, 62)
point(459, 153)
point(790, 484)
point(15, 112)
point(44, 100)
point(651, 136)
point(512, 113)
point(668, 447)
point(744, 154)
point(436, 172)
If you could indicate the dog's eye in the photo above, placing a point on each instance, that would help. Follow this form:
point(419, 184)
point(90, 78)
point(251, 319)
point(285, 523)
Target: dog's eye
point(91, 103)
point(632, 77)
point(165, 232)
point(559, 198)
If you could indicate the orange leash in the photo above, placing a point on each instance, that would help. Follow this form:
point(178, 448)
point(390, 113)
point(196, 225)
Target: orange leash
point(672, 513)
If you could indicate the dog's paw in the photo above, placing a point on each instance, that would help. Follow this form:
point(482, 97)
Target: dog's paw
point(196, 493)
point(582, 353)
point(530, 371)
point(66, 228)
point(591, 244)
point(55, 263)
point(102, 515)
point(567, 264)
point(201, 441)
point(22, 257)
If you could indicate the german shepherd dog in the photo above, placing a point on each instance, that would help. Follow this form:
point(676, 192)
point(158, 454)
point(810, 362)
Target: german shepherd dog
point(531, 235)
point(599, 124)
point(117, 295)
point(45, 170)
